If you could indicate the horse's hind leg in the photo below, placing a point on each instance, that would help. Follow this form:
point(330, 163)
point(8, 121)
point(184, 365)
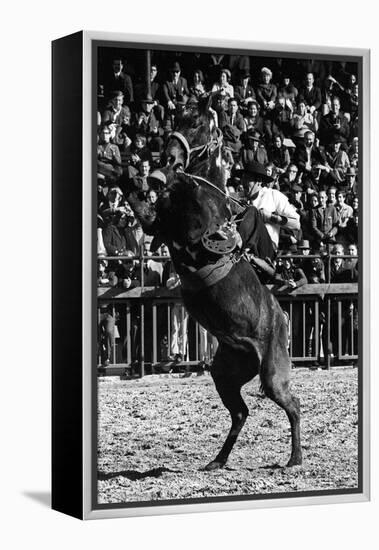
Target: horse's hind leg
point(230, 370)
point(275, 375)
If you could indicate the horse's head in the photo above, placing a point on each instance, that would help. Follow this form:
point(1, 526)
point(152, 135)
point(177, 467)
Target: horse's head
point(188, 208)
point(192, 135)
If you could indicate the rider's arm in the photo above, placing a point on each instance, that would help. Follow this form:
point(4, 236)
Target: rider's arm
point(285, 213)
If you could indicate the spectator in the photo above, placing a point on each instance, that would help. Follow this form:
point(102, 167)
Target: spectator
point(288, 91)
point(281, 117)
point(152, 196)
point(344, 210)
point(253, 149)
point(105, 277)
point(124, 131)
point(337, 262)
point(302, 122)
point(108, 157)
point(292, 276)
point(313, 267)
point(354, 153)
point(266, 92)
point(106, 333)
point(288, 179)
point(331, 193)
point(337, 159)
point(197, 88)
point(153, 270)
point(333, 123)
point(175, 90)
point(112, 205)
point(179, 323)
point(244, 91)
point(156, 93)
point(232, 141)
point(324, 221)
point(351, 263)
point(113, 235)
point(137, 152)
point(140, 182)
point(306, 218)
point(149, 126)
point(115, 113)
point(233, 117)
point(223, 86)
point(310, 160)
point(351, 184)
point(351, 231)
point(117, 79)
point(252, 119)
point(279, 155)
point(310, 94)
point(332, 88)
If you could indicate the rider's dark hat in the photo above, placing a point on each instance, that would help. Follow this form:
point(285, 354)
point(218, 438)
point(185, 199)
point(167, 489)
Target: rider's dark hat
point(256, 169)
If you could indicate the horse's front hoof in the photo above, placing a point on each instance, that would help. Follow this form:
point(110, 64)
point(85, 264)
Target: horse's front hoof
point(214, 465)
point(294, 461)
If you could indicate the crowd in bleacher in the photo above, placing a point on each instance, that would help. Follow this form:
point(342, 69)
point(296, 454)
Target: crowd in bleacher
point(298, 118)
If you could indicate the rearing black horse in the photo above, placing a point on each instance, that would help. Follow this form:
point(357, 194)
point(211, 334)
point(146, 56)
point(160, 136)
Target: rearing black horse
point(222, 292)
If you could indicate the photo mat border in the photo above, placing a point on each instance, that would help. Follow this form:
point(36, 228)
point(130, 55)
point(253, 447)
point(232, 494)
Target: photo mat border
point(91, 509)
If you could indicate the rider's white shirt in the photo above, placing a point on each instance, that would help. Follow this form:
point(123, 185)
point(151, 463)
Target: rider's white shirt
point(273, 200)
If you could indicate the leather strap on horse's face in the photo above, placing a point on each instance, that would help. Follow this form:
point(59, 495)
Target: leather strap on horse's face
point(200, 149)
point(182, 140)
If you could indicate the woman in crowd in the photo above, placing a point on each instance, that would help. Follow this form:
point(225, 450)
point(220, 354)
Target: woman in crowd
point(223, 85)
point(197, 88)
point(278, 154)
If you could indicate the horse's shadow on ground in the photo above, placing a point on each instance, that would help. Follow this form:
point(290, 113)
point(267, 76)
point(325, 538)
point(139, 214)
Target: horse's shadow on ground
point(135, 475)
point(275, 466)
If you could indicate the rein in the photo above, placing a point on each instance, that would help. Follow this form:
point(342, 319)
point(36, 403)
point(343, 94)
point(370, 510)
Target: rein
point(224, 193)
point(214, 142)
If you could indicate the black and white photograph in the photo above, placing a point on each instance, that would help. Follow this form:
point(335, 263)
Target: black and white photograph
point(228, 352)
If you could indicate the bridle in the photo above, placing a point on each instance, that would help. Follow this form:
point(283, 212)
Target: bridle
point(194, 154)
point(220, 238)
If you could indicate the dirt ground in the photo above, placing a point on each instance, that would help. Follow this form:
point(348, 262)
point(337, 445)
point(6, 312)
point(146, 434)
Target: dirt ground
point(156, 433)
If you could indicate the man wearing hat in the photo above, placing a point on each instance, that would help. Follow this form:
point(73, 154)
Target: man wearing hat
point(175, 90)
point(337, 159)
point(148, 125)
point(268, 206)
point(253, 150)
point(351, 184)
point(244, 90)
point(232, 140)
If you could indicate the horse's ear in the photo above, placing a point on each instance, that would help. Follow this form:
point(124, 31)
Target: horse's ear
point(205, 102)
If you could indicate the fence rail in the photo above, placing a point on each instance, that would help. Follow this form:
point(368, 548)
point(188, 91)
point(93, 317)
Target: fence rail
point(149, 320)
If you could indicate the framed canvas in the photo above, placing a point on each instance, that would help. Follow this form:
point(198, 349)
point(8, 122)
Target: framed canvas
point(211, 301)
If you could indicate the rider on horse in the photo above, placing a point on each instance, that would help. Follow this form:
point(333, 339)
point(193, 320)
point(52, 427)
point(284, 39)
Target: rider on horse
point(260, 224)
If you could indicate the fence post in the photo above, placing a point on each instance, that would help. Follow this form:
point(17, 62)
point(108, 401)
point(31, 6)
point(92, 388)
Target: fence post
point(142, 312)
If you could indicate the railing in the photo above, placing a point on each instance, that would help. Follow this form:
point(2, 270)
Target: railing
point(323, 326)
